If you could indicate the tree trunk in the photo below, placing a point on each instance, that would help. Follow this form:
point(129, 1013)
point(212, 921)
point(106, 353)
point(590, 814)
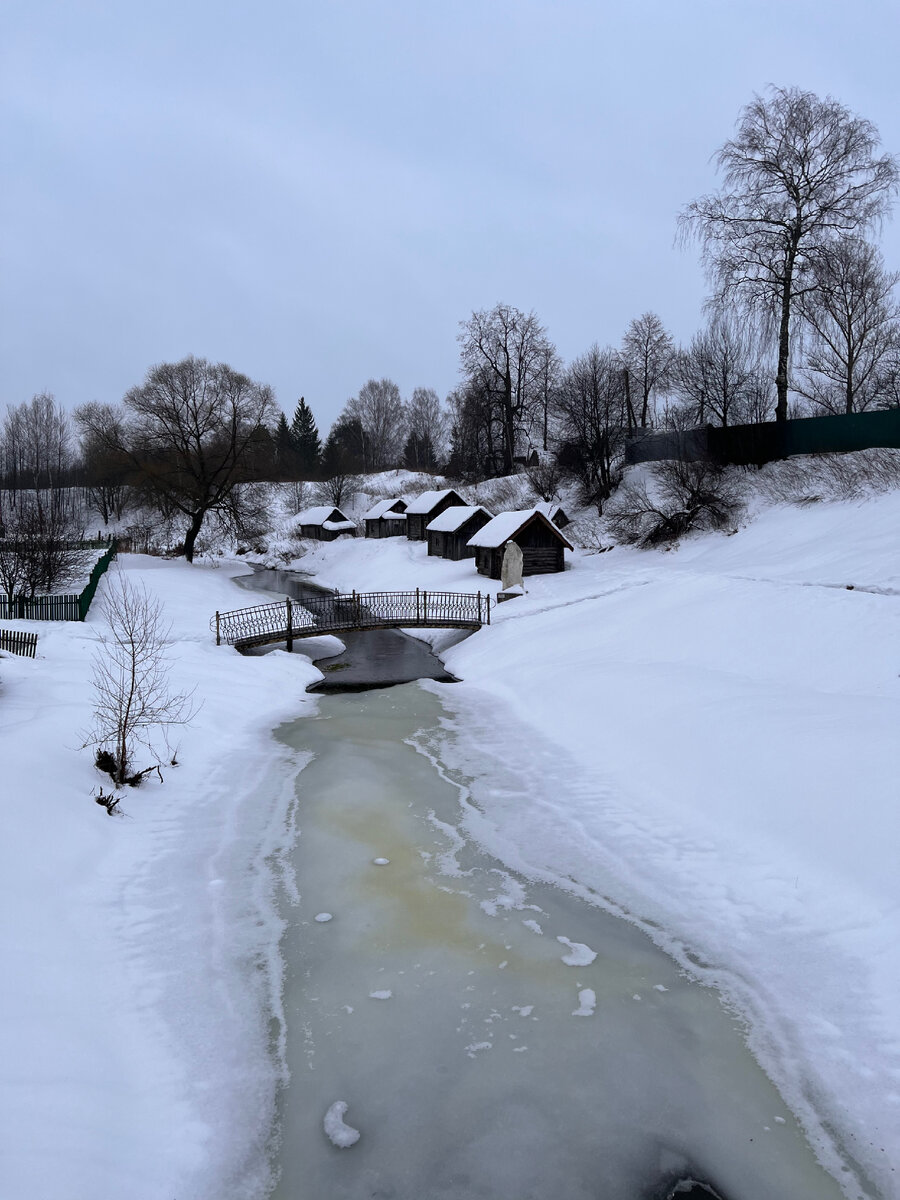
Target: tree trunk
point(191, 536)
point(784, 333)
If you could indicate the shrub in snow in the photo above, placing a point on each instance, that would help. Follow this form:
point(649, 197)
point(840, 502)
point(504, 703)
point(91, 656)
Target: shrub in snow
point(677, 498)
point(132, 700)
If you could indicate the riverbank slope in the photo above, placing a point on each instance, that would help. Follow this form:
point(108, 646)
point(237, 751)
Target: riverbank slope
point(135, 1047)
point(708, 738)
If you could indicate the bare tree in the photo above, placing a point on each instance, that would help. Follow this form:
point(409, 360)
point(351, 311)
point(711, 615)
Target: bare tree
point(381, 413)
point(504, 352)
point(647, 355)
point(800, 173)
point(679, 497)
point(192, 435)
point(717, 375)
point(133, 701)
point(593, 423)
point(103, 463)
point(853, 321)
point(427, 426)
point(340, 487)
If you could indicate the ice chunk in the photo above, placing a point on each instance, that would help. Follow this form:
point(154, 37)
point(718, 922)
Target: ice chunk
point(381, 862)
point(322, 917)
point(383, 995)
point(580, 956)
point(587, 1002)
point(533, 926)
point(341, 1135)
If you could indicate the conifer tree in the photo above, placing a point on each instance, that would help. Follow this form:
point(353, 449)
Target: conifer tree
point(285, 448)
point(307, 445)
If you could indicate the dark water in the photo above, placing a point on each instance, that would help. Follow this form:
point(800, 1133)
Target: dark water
point(376, 658)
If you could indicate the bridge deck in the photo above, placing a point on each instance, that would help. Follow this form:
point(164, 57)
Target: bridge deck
point(284, 620)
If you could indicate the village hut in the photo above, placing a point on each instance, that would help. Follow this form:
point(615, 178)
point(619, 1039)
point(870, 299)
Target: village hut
point(555, 512)
point(448, 534)
point(540, 541)
point(324, 523)
point(425, 508)
point(387, 518)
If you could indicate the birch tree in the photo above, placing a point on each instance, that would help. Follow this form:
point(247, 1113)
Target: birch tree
point(800, 173)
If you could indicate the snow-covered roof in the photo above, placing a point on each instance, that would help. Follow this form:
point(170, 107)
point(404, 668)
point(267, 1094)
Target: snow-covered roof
point(338, 525)
point(550, 509)
point(427, 500)
point(506, 525)
point(319, 514)
point(383, 507)
point(455, 517)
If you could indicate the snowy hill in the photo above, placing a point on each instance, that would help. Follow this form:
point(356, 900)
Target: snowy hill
point(704, 739)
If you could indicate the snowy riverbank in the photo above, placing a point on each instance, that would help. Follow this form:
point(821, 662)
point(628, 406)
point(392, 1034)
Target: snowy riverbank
point(135, 1054)
point(708, 738)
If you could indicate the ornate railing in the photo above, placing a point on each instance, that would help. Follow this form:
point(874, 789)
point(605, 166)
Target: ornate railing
point(286, 619)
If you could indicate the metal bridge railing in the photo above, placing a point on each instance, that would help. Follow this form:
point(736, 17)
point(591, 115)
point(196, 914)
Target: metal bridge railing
point(285, 620)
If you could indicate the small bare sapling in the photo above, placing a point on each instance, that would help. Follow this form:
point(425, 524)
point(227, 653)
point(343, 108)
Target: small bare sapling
point(134, 704)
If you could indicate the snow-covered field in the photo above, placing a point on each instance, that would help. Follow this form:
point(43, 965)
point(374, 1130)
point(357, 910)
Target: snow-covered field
point(704, 738)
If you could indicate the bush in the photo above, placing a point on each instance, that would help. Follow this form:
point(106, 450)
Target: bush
point(678, 498)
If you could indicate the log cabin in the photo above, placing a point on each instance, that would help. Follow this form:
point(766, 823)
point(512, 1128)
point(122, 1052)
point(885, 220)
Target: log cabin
point(448, 534)
point(541, 543)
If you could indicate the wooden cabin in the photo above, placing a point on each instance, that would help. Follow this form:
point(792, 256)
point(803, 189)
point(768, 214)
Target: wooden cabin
point(555, 512)
point(448, 534)
point(324, 523)
point(387, 518)
point(425, 508)
point(540, 541)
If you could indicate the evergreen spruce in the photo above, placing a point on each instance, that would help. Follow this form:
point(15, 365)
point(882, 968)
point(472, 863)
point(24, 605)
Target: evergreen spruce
point(307, 445)
point(285, 449)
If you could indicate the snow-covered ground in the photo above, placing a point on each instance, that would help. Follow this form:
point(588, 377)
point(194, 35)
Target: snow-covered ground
point(705, 738)
point(709, 737)
point(135, 1058)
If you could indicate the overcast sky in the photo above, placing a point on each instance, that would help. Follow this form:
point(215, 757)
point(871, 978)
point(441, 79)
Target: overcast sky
point(319, 193)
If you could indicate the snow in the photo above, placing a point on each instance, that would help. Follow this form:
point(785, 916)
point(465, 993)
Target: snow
point(381, 862)
point(506, 525)
point(135, 1000)
point(579, 954)
point(338, 1131)
point(321, 514)
point(382, 507)
point(587, 1002)
point(322, 917)
point(425, 501)
point(455, 517)
point(384, 994)
point(705, 740)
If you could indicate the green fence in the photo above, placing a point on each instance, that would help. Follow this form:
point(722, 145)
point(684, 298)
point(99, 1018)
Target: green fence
point(771, 440)
point(73, 607)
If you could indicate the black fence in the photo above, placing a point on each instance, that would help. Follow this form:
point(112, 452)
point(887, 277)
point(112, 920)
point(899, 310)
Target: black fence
point(72, 607)
point(15, 641)
point(744, 445)
point(285, 620)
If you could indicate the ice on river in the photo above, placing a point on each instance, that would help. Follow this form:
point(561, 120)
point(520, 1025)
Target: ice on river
point(476, 1082)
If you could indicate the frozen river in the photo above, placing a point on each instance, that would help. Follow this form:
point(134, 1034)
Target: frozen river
point(491, 1036)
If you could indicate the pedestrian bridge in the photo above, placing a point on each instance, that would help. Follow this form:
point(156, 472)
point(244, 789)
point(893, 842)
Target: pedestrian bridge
point(285, 620)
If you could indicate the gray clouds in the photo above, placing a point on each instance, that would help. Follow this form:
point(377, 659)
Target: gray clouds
point(319, 193)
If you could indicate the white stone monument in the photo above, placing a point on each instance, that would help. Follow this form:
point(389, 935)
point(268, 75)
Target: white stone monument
point(511, 569)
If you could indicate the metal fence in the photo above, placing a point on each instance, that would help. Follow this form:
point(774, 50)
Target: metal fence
point(744, 445)
point(286, 619)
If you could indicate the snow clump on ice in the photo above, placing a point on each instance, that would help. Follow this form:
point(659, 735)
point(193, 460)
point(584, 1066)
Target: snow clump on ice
point(587, 1002)
point(581, 955)
point(341, 1135)
point(381, 862)
point(321, 917)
